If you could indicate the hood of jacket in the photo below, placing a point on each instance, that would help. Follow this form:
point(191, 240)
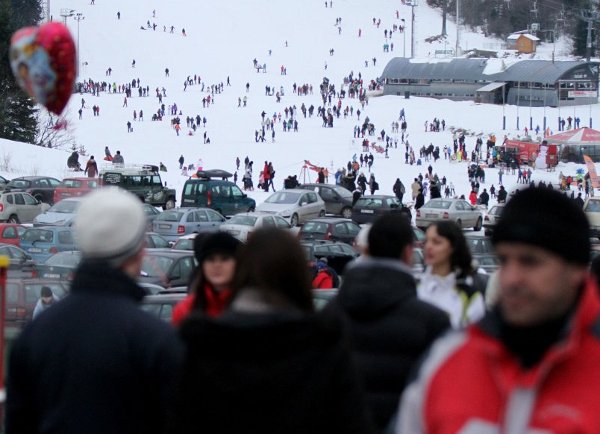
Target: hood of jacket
point(374, 285)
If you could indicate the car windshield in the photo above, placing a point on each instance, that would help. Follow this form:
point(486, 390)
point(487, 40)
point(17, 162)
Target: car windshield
point(156, 266)
point(169, 216)
point(496, 210)
point(243, 220)
point(19, 183)
point(283, 197)
point(343, 192)
point(593, 206)
point(64, 259)
point(184, 244)
point(33, 235)
point(438, 204)
point(65, 206)
point(315, 227)
point(368, 202)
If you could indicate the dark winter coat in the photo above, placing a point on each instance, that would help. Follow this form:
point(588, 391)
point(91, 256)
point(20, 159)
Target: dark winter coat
point(484, 198)
point(391, 328)
point(277, 372)
point(420, 200)
point(94, 363)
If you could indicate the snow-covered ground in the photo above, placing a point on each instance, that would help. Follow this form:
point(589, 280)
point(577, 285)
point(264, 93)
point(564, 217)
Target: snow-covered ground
point(223, 38)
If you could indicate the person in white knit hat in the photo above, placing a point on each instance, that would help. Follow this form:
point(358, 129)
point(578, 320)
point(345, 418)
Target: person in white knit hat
point(95, 362)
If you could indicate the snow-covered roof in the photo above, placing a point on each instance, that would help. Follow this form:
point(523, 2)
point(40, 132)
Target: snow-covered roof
point(516, 36)
point(483, 70)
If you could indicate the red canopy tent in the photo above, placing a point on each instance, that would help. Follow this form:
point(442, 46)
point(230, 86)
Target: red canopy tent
point(577, 143)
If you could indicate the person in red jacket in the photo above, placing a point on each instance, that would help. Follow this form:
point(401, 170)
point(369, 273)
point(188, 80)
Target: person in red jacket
point(323, 279)
point(531, 365)
point(266, 176)
point(209, 290)
point(473, 198)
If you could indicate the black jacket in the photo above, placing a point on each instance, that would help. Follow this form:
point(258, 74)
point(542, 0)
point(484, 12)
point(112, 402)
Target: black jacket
point(94, 363)
point(390, 328)
point(279, 372)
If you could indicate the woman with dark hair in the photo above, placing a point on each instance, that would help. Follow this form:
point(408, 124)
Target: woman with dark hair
point(269, 363)
point(449, 281)
point(210, 286)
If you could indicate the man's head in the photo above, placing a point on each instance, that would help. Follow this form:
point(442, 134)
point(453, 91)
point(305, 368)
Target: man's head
point(110, 226)
point(46, 295)
point(542, 240)
point(391, 236)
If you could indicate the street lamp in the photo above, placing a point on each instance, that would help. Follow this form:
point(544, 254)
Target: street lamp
point(66, 13)
point(404, 32)
point(78, 17)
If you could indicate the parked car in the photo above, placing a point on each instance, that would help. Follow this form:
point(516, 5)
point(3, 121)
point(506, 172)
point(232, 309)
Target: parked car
point(174, 223)
point(151, 213)
point(418, 265)
point(321, 297)
point(458, 210)
point(338, 200)
point(480, 245)
point(338, 254)
point(40, 187)
point(62, 213)
point(334, 229)
point(161, 305)
point(295, 205)
point(18, 207)
point(488, 263)
point(145, 182)
point(10, 233)
point(167, 267)
point(155, 241)
point(61, 265)
point(3, 182)
point(241, 225)
point(491, 219)
point(185, 242)
point(43, 242)
point(368, 208)
point(210, 189)
point(419, 237)
point(21, 263)
point(74, 187)
point(23, 294)
point(591, 207)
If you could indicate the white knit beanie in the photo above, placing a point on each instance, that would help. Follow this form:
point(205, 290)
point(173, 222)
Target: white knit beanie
point(110, 225)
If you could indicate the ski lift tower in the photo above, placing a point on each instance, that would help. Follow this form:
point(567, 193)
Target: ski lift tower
point(66, 13)
point(412, 4)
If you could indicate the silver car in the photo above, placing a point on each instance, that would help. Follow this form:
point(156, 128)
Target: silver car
point(294, 205)
point(62, 213)
point(241, 225)
point(172, 224)
point(20, 207)
point(458, 210)
point(491, 218)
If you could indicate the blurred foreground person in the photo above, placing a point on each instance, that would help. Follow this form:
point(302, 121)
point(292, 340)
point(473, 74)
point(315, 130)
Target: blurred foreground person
point(96, 363)
point(269, 364)
point(531, 365)
point(391, 328)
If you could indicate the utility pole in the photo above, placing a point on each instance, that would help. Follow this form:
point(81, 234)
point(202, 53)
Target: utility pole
point(589, 17)
point(66, 13)
point(456, 53)
point(412, 29)
point(78, 17)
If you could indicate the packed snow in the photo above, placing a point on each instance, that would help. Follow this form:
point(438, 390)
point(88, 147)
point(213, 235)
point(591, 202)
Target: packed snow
point(222, 38)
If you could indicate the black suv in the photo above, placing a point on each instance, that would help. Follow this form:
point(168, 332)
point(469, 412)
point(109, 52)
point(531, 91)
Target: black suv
point(40, 187)
point(338, 200)
point(210, 189)
point(142, 181)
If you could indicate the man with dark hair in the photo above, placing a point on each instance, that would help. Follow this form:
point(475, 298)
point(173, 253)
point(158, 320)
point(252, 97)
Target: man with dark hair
point(391, 328)
point(531, 365)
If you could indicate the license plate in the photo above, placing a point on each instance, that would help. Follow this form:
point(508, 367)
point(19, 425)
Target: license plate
point(431, 216)
point(164, 226)
point(367, 211)
point(52, 276)
point(34, 250)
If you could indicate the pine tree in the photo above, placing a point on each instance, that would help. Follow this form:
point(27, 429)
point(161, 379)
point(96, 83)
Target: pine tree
point(18, 115)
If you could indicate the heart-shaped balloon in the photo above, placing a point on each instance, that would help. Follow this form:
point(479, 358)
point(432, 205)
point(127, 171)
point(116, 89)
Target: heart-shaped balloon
point(43, 62)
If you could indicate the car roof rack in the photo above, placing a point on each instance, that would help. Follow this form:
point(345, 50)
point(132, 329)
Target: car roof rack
point(148, 168)
point(214, 173)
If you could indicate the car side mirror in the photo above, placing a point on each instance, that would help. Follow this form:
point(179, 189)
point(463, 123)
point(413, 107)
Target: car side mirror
point(244, 195)
point(303, 203)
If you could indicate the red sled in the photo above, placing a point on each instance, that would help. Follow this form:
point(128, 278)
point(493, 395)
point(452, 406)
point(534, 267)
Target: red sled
point(108, 158)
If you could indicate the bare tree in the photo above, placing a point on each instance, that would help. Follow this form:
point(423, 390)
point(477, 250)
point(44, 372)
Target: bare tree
point(55, 132)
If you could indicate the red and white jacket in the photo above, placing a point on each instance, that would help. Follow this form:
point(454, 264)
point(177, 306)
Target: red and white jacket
point(471, 384)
